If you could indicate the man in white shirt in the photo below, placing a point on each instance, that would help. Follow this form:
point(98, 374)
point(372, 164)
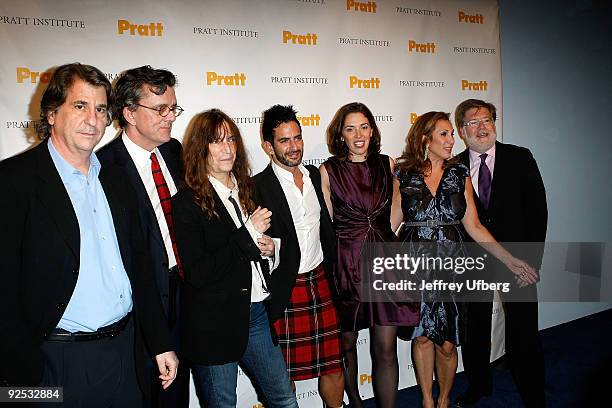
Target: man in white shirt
point(146, 107)
point(301, 308)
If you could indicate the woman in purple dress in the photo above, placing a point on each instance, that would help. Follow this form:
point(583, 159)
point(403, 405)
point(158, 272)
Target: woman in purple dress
point(360, 190)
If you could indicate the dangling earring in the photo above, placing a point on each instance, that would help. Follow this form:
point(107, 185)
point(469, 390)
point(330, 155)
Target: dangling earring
point(342, 139)
point(426, 152)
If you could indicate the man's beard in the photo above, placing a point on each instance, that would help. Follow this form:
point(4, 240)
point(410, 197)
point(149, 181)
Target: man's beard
point(288, 162)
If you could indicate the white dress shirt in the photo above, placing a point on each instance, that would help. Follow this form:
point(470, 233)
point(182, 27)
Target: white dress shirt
point(142, 160)
point(257, 291)
point(475, 165)
point(306, 213)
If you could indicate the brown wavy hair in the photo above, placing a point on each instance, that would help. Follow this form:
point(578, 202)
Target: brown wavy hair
point(206, 128)
point(56, 92)
point(413, 158)
point(336, 145)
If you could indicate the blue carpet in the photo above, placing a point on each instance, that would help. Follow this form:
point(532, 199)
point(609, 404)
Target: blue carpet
point(578, 359)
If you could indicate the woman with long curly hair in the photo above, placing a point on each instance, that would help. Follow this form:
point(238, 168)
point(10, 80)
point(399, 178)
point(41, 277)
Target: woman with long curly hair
point(226, 260)
point(438, 208)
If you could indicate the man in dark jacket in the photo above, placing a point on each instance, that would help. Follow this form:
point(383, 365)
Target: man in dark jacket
point(511, 203)
point(79, 294)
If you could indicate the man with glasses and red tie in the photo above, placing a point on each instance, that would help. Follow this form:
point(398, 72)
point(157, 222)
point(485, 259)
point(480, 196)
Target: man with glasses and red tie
point(511, 203)
point(146, 107)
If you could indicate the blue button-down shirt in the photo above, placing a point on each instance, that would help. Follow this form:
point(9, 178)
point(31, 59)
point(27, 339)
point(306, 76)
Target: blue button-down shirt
point(103, 294)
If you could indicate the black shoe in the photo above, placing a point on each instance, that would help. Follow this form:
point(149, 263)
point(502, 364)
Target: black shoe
point(469, 399)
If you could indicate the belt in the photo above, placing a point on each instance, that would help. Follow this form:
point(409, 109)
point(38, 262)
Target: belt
point(431, 223)
point(107, 331)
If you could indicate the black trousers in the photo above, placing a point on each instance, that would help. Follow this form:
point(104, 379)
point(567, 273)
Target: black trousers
point(177, 395)
point(523, 347)
point(97, 373)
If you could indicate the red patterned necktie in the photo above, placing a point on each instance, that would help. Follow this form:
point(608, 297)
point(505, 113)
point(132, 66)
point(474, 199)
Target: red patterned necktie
point(164, 198)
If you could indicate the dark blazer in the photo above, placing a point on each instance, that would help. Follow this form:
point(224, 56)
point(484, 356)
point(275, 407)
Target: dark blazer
point(517, 206)
point(517, 213)
point(269, 194)
point(116, 153)
point(39, 248)
point(216, 292)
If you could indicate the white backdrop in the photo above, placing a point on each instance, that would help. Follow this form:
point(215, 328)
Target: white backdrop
point(400, 57)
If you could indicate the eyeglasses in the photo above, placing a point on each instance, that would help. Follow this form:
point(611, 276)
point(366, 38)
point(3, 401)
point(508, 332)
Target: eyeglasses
point(165, 110)
point(475, 122)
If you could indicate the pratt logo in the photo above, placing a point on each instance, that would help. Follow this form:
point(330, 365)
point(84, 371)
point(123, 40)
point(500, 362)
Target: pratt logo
point(383, 118)
point(413, 117)
point(473, 86)
point(111, 76)
point(143, 30)
point(225, 32)
point(363, 378)
point(369, 7)
point(307, 394)
point(422, 84)
point(47, 22)
point(414, 46)
point(213, 78)
point(258, 405)
point(24, 74)
point(373, 82)
point(23, 124)
point(314, 162)
point(473, 50)
point(471, 18)
point(312, 120)
point(305, 39)
point(422, 12)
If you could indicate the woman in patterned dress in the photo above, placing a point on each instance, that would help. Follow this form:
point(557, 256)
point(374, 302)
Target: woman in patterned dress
point(438, 207)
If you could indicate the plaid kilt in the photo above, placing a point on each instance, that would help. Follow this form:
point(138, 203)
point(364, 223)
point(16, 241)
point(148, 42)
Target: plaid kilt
point(309, 333)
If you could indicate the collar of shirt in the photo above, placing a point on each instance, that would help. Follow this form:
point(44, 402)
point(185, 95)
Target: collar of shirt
point(67, 171)
point(223, 191)
point(286, 175)
point(140, 156)
point(257, 292)
point(475, 156)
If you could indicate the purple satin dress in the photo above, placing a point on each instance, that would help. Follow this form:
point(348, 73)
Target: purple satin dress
point(361, 196)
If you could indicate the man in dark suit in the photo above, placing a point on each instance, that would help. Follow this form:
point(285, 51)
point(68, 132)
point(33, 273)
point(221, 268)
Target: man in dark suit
point(146, 107)
point(79, 296)
point(301, 307)
point(511, 203)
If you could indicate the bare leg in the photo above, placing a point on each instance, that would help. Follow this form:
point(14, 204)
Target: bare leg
point(423, 354)
point(446, 367)
point(385, 371)
point(331, 389)
point(349, 345)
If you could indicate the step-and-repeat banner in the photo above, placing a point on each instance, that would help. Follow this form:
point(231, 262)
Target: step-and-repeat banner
point(399, 57)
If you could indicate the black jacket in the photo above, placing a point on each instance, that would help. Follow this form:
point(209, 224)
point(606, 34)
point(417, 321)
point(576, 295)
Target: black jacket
point(517, 206)
point(40, 248)
point(216, 292)
point(115, 153)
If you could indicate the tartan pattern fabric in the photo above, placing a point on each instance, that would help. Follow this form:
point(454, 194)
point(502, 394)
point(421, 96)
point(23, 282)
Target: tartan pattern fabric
point(309, 333)
point(165, 199)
